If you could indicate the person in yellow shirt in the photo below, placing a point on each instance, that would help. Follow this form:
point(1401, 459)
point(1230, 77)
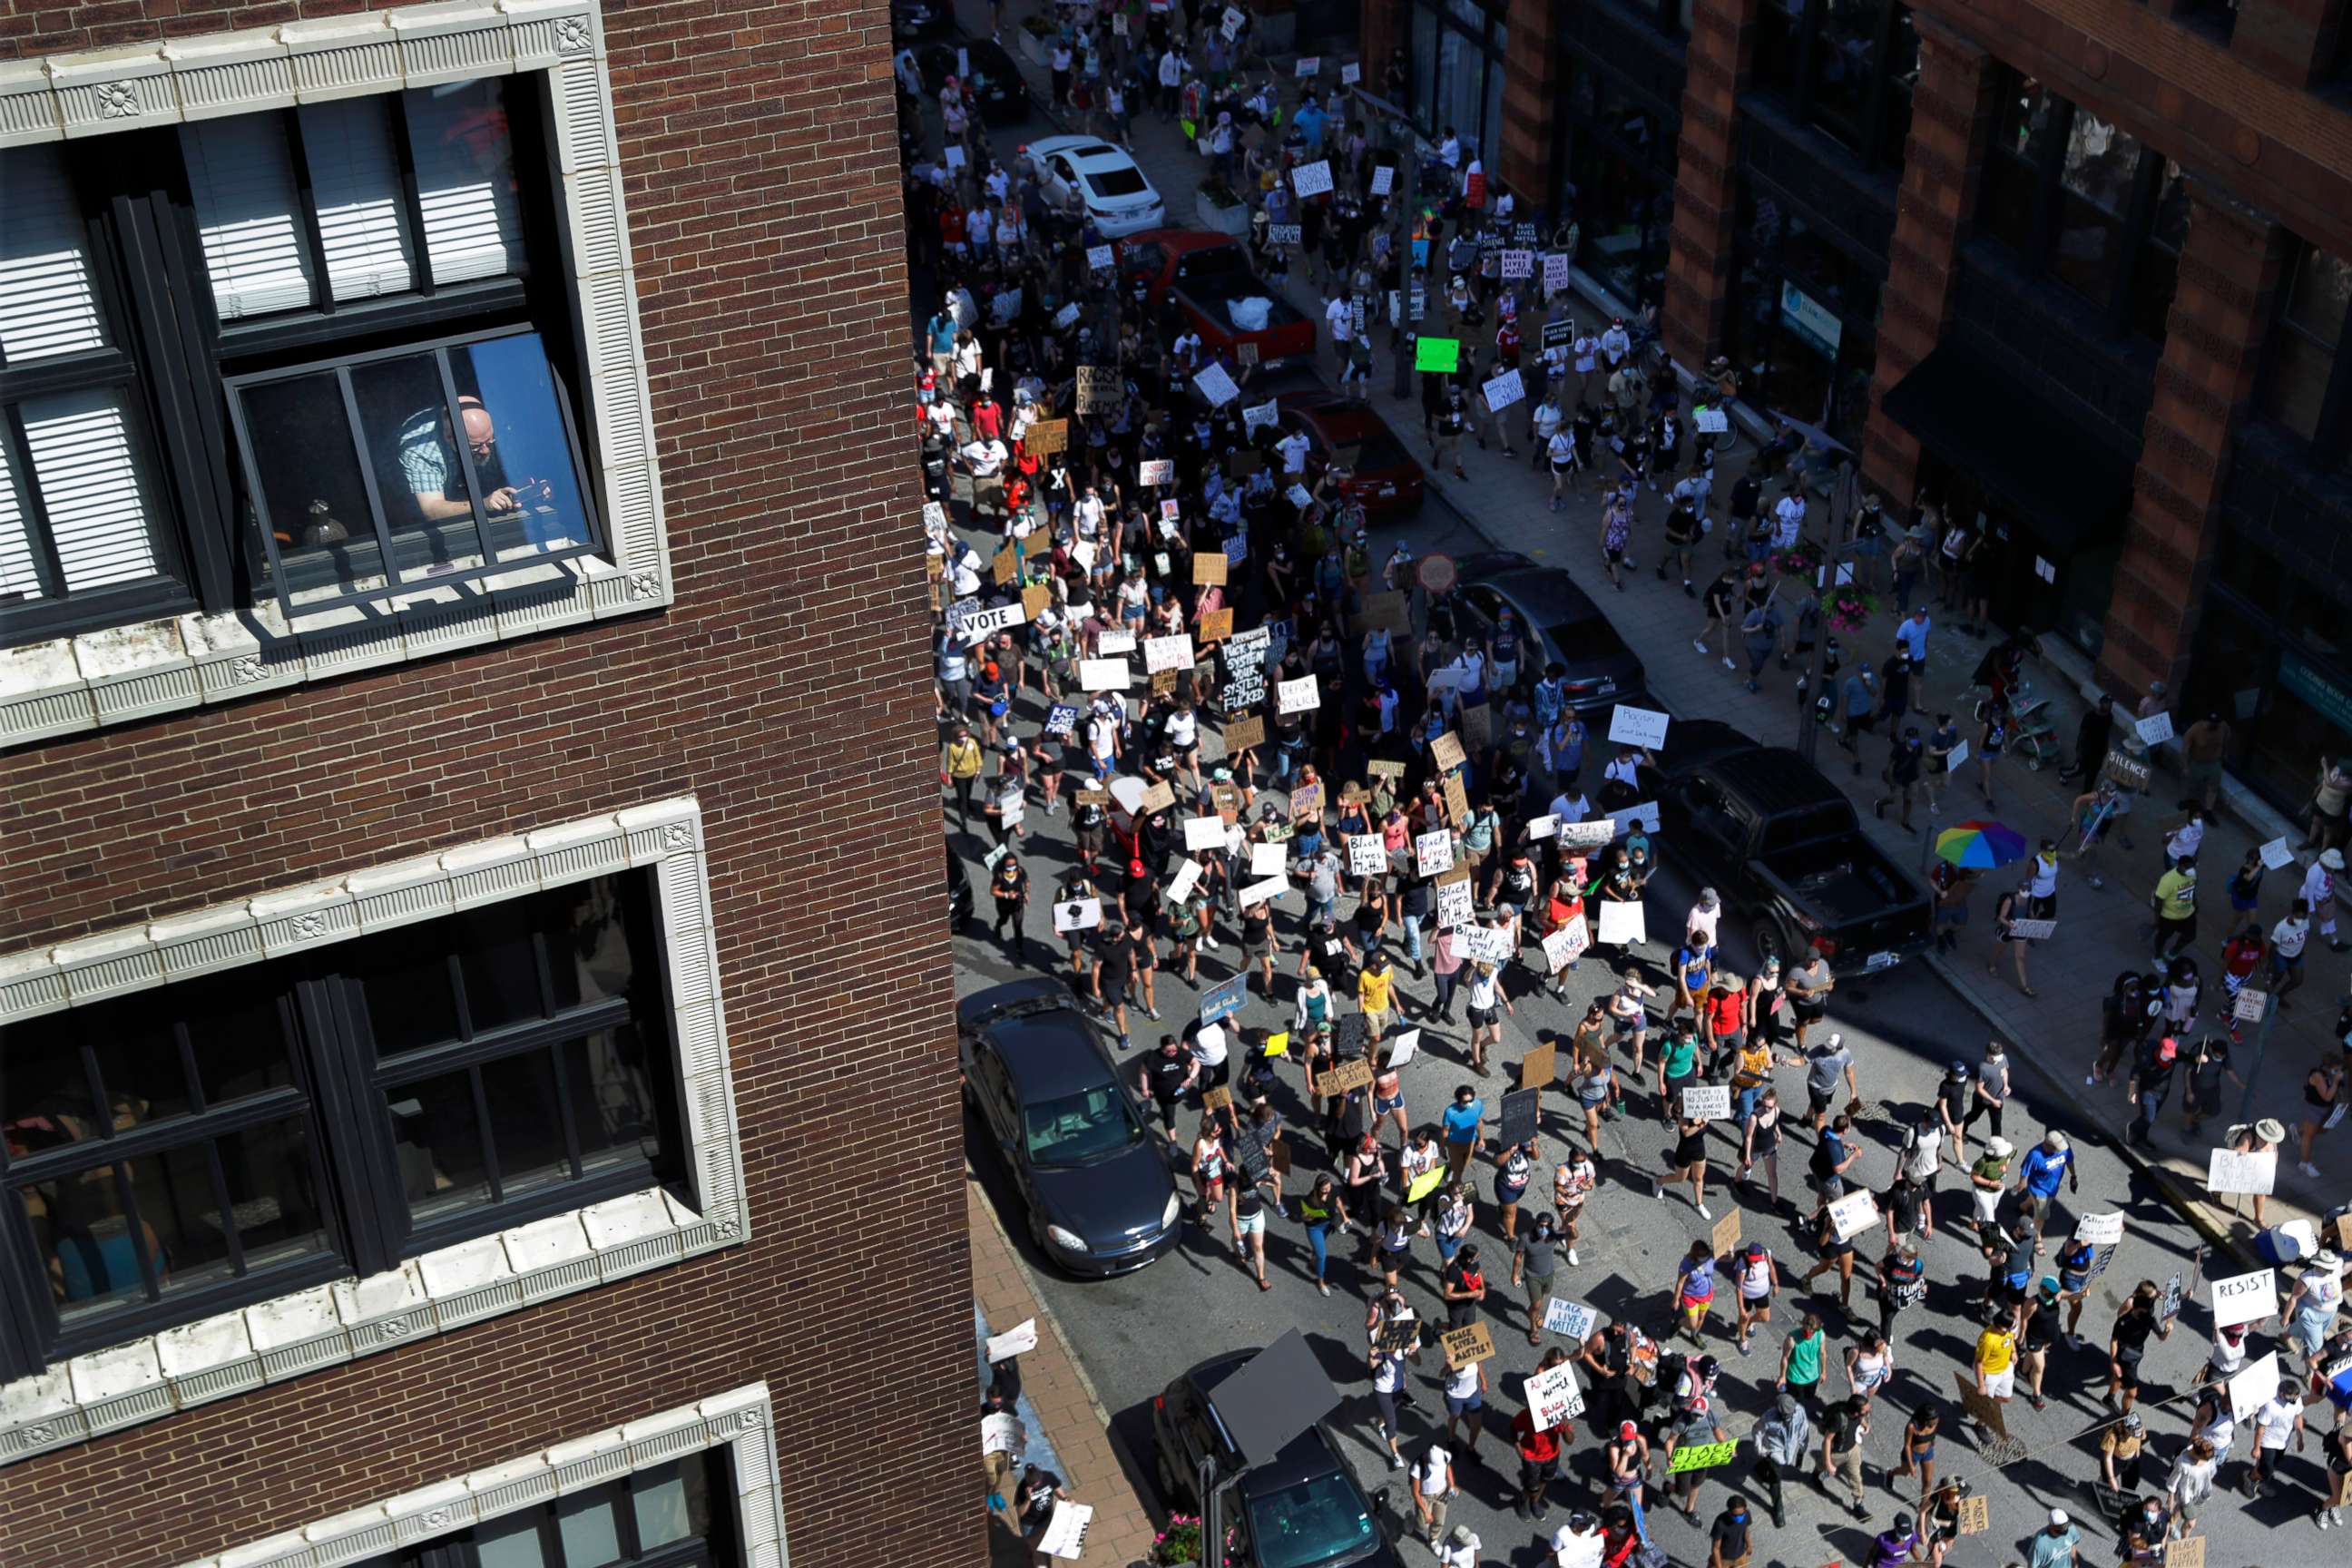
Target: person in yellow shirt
point(960, 767)
point(1997, 1361)
point(1376, 994)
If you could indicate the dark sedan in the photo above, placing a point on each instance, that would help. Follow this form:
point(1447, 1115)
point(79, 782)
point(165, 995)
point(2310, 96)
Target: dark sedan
point(1383, 477)
point(1302, 1508)
point(1095, 1180)
point(912, 19)
point(1601, 670)
point(982, 67)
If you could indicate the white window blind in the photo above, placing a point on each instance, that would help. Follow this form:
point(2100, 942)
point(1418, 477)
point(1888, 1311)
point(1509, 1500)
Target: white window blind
point(88, 478)
point(243, 181)
point(48, 306)
point(355, 184)
point(464, 180)
point(17, 579)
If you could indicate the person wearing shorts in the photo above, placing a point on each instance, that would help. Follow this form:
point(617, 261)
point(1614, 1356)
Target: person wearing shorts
point(1572, 1183)
point(1757, 1277)
point(1693, 1291)
point(1630, 1018)
point(1465, 1401)
point(1388, 1384)
point(2128, 1344)
point(1996, 1362)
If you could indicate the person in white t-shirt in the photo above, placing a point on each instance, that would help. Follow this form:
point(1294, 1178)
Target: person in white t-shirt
point(1433, 1484)
point(1704, 916)
point(1294, 449)
point(1459, 1550)
point(2279, 1419)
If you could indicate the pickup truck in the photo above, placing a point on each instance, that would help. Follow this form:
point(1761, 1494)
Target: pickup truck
point(1207, 273)
point(1783, 847)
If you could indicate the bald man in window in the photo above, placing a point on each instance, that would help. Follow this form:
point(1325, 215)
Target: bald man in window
point(428, 462)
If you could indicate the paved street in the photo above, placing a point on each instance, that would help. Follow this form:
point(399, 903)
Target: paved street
point(1133, 1334)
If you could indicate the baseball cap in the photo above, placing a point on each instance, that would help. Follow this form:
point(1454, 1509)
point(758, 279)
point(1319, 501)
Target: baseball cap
point(2057, 1516)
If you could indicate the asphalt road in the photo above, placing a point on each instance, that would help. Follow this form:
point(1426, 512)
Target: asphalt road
point(1135, 1333)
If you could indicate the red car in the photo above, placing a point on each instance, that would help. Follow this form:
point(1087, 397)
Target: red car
point(1383, 478)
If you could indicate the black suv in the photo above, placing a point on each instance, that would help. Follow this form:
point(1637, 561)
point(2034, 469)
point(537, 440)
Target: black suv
point(1300, 1509)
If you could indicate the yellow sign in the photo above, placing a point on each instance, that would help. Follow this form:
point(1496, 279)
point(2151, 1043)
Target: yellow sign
point(1278, 1044)
point(1701, 1456)
point(1424, 1184)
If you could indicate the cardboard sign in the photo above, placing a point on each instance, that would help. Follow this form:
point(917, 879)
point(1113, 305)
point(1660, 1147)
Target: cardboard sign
point(1457, 799)
point(1642, 727)
point(1205, 832)
point(1520, 1109)
point(1403, 1048)
point(1975, 1514)
point(1463, 1346)
point(1622, 923)
point(1035, 599)
point(2254, 1385)
point(2127, 771)
point(1504, 390)
point(1446, 752)
point(1981, 1407)
point(2250, 1005)
point(1706, 1103)
point(1538, 1067)
point(1853, 1213)
point(1387, 612)
point(1400, 1335)
point(1004, 566)
point(1241, 734)
point(1570, 1320)
point(1019, 1340)
point(1456, 905)
point(1224, 999)
point(1216, 385)
point(1347, 1075)
point(1159, 797)
point(1216, 1097)
point(1701, 1456)
point(1103, 674)
point(1312, 179)
point(2187, 1552)
point(1156, 472)
point(1098, 387)
point(1077, 914)
point(1047, 436)
point(2228, 1170)
point(1562, 946)
point(1553, 1397)
point(1478, 726)
point(2245, 1297)
point(1726, 1238)
point(1306, 802)
point(1383, 174)
point(1433, 852)
point(1209, 569)
point(1300, 696)
point(2155, 730)
point(2100, 1229)
point(1438, 356)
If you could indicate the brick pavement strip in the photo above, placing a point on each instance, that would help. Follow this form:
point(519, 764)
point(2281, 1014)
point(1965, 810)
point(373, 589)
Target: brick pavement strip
point(1122, 1529)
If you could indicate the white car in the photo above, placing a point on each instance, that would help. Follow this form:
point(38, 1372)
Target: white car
point(1075, 171)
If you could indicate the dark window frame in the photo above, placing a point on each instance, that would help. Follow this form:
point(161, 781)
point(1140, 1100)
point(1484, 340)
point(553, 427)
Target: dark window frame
point(2324, 447)
point(1871, 142)
point(340, 1091)
point(175, 357)
point(722, 1548)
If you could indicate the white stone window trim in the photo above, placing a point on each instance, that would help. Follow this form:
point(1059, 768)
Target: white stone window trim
point(68, 685)
point(270, 1342)
point(743, 1417)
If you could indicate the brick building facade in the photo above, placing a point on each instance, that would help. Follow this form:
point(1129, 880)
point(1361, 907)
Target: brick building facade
point(2076, 267)
point(473, 1032)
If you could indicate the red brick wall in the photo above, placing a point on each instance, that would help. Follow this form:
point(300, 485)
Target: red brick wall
point(786, 689)
point(1706, 187)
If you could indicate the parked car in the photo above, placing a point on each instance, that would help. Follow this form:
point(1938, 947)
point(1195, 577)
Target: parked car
point(959, 892)
point(982, 67)
point(1095, 1179)
point(1209, 275)
point(1569, 627)
point(1782, 846)
point(912, 19)
point(1383, 478)
point(1087, 171)
point(1302, 1508)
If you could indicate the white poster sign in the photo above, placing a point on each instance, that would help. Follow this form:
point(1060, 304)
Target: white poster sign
point(1065, 1532)
point(1504, 390)
point(1174, 651)
point(2155, 730)
point(1570, 1320)
point(2254, 1386)
point(2227, 1170)
point(2245, 1297)
point(2276, 856)
point(1259, 415)
point(1553, 1397)
point(1433, 852)
point(2100, 1229)
point(1486, 944)
point(1642, 727)
point(1258, 892)
point(1404, 1048)
point(1622, 924)
point(1312, 179)
point(1187, 878)
point(1077, 914)
point(1269, 859)
point(1019, 1340)
point(1562, 946)
point(1383, 179)
point(1853, 1213)
point(1456, 905)
point(1706, 1103)
point(1299, 696)
point(1216, 385)
point(1644, 816)
point(1368, 856)
point(1110, 643)
point(1205, 832)
point(1103, 674)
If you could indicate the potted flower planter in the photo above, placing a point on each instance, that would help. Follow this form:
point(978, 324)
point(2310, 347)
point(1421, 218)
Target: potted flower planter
point(1037, 41)
point(1219, 208)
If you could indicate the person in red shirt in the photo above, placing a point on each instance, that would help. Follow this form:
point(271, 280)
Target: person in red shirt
point(988, 418)
point(1539, 1454)
point(952, 229)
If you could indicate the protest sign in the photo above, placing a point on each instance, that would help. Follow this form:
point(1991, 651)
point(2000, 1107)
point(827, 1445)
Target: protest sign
point(1622, 924)
point(1570, 1320)
point(2100, 1229)
point(1504, 390)
point(1312, 179)
point(1061, 721)
point(1209, 569)
point(1356, 1073)
point(1726, 1238)
point(1383, 174)
point(2154, 729)
point(1520, 1107)
point(1065, 1532)
point(2228, 1170)
point(1300, 696)
point(1446, 752)
point(1241, 734)
point(1455, 904)
point(1433, 852)
point(1098, 387)
point(1975, 1514)
point(1306, 802)
point(1232, 23)
point(1424, 1184)
point(1018, 1340)
point(2127, 771)
point(2033, 931)
point(1115, 642)
point(2245, 1297)
point(1440, 356)
point(1268, 859)
point(1644, 816)
point(1159, 797)
point(1216, 385)
point(1642, 727)
point(1350, 74)
point(1404, 1048)
point(1553, 1397)
point(1537, 1067)
point(1156, 472)
point(1187, 878)
point(1367, 854)
point(1982, 1408)
point(1205, 832)
point(1386, 612)
point(1543, 828)
point(1077, 914)
point(1224, 999)
point(2254, 1386)
point(1047, 436)
point(1853, 1213)
point(1485, 944)
point(1701, 1456)
point(1562, 947)
point(1555, 268)
point(1171, 652)
point(1258, 892)
point(2276, 856)
point(1259, 415)
point(1103, 674)
point(1309, 65)
point(2249, 1005)
point(2189, 1551)
point(1587, 834)
point(1706, 1103)
point(1517, 265)
point(1465, 1345)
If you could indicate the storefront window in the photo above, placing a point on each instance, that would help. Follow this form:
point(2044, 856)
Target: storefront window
point(1457, 73)
point(1805, 330)
point(2305, 344)
point(1619, 181)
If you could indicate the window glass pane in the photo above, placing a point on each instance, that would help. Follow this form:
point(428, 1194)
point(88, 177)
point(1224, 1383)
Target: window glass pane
point(465, 179)
point(528, 475)
point(2315, 300)
point(273, 1192)
point(44, 1098)
point(2089, 240)
point(499, 959)
point(87, 475)
point(591, 1535)
point(355, 189)
point(438, 1141)
point(1846, 56)
point(1777, 23)
point(607, 1077)
point(238, 1039)
point(48, 304)
point(138, 1063)
point(659, 1498)
point(19, 579)
point(1425, 68)
point(420, 467)
point(241, 173)
point(2158, 272)
point(308, 479)
point(2101, 163)
point(588, 944)
point(177, 1200)
point(527, 1122)
point(83, 1242)
point(404, 977)
point(510, 1543)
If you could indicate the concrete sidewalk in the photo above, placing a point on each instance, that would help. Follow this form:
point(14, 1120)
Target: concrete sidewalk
point(2099, 929)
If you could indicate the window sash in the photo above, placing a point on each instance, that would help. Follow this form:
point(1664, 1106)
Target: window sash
point(356, 196)
point(241, 178)
point(49, 297)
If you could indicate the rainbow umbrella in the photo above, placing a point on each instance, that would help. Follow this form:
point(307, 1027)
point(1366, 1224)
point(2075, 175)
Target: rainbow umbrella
point(1981, 845)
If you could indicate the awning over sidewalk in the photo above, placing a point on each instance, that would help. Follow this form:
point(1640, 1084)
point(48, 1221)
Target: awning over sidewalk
point(2063, 481)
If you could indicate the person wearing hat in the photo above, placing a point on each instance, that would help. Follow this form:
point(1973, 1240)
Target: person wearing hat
point(1989, 1178)
point(2046, 1163)
point(2263, 1137)
point(2318, 890)
point(1897, 1545)
point(1579, 1543)
point(1782, 1438)
point(1432, 1487)
point(2309, 1312)
point(2053, 1544)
